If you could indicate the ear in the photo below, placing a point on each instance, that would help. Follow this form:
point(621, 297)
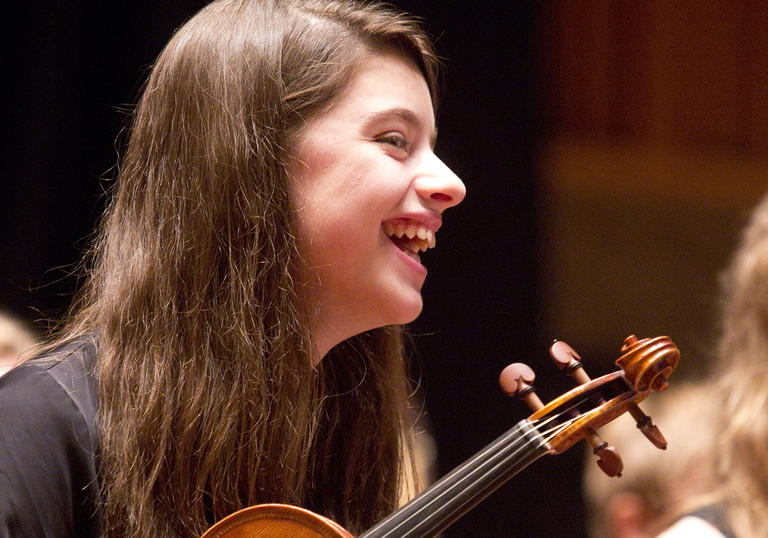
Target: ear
point(626, 515)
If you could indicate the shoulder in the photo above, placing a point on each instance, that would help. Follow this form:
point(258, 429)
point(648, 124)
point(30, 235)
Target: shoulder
point(48, 441)
point(57, 385)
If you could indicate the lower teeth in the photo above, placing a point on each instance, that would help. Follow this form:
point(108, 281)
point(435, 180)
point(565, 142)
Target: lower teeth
point(412, 255)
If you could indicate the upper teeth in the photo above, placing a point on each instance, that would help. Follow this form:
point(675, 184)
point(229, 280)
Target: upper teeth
point(412, 231)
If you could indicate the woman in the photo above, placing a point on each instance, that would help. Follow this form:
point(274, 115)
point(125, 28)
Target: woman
point(237, 341)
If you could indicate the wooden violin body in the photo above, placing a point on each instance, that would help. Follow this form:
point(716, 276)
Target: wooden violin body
point(551, 429)
point(272, 520)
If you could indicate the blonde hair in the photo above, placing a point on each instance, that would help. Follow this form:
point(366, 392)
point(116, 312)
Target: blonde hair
point(741, 439)
point(208, 400)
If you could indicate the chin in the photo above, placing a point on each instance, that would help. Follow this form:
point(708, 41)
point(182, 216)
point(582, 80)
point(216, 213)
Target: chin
point(407, 311)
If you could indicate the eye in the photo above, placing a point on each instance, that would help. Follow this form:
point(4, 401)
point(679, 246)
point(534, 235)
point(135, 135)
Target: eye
point(396, 140)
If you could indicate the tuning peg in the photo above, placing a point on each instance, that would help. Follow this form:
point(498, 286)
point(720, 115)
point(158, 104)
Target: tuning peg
point(649, 429)
point(608, 460)
point(566, 358)
point(517, 380)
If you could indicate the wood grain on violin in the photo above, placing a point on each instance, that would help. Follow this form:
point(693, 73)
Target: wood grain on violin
point(552, 428)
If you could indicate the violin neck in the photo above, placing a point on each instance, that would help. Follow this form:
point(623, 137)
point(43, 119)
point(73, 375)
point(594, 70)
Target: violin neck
point(456, 493)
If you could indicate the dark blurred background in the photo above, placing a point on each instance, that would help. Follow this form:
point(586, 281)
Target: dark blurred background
point(611, 152)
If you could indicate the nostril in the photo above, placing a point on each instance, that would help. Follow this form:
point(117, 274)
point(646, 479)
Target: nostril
point(441, 197)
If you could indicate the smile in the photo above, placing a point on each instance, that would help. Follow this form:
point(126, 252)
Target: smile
point(410, 237)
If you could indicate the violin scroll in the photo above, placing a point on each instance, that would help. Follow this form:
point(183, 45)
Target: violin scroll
point(647, 363)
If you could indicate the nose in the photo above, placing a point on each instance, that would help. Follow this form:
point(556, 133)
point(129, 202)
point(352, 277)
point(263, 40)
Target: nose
point(438, 185)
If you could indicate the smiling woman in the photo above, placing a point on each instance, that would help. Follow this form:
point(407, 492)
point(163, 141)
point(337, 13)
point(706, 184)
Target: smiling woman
point(237, 339)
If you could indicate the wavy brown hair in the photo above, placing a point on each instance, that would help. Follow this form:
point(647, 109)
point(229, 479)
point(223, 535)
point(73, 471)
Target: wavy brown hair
point(208, 398)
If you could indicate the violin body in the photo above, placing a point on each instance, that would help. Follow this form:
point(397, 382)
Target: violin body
point(271, 520)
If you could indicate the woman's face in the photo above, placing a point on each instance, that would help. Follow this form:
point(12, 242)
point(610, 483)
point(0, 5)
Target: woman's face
point(365, 180)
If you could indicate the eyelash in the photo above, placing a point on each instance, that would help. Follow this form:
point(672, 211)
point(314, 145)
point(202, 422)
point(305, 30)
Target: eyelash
point(395, 140)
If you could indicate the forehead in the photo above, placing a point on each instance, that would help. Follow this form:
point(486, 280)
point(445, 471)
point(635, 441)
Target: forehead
point(385, 83)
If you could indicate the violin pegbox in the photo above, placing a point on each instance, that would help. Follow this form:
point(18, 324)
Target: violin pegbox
point(648, 374)
point(645, 365)
point(517, 380)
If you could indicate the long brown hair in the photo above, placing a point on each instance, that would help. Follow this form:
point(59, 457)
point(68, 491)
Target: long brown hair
point(208, 398)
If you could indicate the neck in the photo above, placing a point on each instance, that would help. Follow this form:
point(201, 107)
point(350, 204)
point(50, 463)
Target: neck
point(332, 325)
point(324, 338)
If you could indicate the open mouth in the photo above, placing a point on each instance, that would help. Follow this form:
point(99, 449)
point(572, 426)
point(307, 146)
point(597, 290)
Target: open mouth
point(410, 237)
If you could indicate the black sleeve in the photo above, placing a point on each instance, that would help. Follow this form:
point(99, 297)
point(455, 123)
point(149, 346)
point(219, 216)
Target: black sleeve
point(48, 484)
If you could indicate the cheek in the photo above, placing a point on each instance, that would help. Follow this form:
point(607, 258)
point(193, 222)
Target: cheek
point(317, 161)
point(316, 153)
point(324, 181)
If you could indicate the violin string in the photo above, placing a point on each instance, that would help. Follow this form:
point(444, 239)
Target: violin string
point(553, 432)
point(460, 484)
point(463, 483)
point(527, 441)
point(546, 435)
point(569, 410)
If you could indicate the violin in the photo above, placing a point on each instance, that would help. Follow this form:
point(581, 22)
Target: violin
point(645, 364)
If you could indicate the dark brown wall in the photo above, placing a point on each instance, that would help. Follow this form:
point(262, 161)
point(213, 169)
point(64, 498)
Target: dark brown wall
point(654, 125)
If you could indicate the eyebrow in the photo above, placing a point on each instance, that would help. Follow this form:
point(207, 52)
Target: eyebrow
point(403, 114)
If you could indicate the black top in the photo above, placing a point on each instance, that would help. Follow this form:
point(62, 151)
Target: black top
point(48, 440)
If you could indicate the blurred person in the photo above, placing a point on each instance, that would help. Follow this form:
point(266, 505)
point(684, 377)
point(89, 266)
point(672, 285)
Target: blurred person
point(738, 496)
point(656, 485)
point(730, 415)
point(16, 339)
